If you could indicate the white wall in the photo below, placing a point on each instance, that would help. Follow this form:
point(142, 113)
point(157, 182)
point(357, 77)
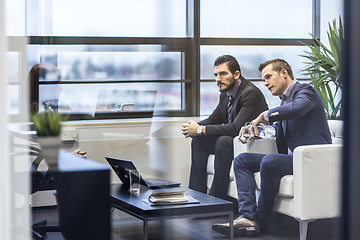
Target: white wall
point(156, 147)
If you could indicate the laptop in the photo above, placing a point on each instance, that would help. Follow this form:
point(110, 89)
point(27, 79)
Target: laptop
point(122, 167)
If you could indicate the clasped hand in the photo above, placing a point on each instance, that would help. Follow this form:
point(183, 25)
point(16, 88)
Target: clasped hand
point(189, 129)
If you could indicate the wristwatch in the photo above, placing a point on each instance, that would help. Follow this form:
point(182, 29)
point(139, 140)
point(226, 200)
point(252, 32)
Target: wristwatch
point(199, 130)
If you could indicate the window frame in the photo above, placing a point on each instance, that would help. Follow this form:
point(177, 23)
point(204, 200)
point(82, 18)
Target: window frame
point(189, 46)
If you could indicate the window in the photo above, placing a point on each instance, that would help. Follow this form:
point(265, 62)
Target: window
point(119, 60)
point(111, 79)
point(112, 18)
point(14, 83)
point(260, 19)
point(15, 18)
point(250, 57)
point(13, 78)
point(241, 28)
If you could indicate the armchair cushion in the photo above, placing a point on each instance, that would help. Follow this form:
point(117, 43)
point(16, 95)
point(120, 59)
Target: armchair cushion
point(210, 172)
point(286, 188)
point(336, 127)
point(264, 146)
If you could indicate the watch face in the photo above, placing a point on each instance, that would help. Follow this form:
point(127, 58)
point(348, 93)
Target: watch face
point(199, 130)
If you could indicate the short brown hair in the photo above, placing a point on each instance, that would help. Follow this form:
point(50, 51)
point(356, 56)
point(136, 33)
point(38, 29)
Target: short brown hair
point(277, 65)
point(231, 62)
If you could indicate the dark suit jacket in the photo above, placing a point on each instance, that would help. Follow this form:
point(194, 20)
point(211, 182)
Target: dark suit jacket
point(303, 118)
point(248, 103)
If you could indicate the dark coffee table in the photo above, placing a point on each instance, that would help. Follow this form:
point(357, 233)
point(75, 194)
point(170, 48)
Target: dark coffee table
point(134, 205)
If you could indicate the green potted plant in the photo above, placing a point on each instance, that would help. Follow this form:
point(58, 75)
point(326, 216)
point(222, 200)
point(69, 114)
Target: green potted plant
point(324, 69)
point(48, 127)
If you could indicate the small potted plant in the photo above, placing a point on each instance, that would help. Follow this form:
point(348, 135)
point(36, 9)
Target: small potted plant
point(48, 127)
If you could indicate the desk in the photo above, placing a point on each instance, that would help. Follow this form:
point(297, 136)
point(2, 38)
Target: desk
point(134, 205)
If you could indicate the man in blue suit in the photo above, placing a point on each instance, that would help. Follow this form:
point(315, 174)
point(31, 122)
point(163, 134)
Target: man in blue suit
point(299, 120)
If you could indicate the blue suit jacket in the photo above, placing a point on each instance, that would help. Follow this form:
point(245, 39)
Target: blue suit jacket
point(301, 120)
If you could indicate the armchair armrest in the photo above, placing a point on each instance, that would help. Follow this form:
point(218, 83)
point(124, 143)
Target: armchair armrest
point(264, 146)
point(317, 181)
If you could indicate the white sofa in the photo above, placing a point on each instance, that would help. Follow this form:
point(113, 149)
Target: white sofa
point(314, 190)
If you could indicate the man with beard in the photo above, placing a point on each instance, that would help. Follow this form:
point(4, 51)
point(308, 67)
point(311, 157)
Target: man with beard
point(240, 102)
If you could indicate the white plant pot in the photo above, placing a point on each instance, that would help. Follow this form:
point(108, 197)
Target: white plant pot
point(50, 147)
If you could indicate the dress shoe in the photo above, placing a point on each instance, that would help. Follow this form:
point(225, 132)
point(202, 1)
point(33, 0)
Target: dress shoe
point(243, 227)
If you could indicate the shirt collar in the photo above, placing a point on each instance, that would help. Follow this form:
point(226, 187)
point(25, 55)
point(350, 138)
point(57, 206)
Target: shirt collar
point(235, 91)
point(287, 92)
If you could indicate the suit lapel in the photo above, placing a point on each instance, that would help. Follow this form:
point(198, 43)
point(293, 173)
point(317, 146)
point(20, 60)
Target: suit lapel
point(236, 99)
point(284, 122)
point(290, 99)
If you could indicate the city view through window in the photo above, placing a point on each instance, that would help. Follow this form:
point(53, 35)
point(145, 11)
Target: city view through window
point(121, 64)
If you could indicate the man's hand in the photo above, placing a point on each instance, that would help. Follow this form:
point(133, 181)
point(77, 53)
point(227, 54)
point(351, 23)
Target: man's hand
point(254, 131)
point(189, 129)
point(250, 130)
point(80, 153)
point(244, 134)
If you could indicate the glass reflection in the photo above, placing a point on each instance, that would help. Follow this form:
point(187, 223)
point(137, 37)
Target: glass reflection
point(119, 97)
point(120, 65)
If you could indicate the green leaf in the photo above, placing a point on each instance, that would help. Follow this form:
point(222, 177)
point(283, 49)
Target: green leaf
point(47, 124)
point(322, 64)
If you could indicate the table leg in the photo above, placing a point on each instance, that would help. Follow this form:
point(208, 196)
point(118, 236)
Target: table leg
point(145, 229)
point(231, 216)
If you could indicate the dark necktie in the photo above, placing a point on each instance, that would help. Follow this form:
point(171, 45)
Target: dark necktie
point(229, 107)
point(283, 101)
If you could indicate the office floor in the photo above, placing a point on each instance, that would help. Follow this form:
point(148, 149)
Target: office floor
point(126, 227)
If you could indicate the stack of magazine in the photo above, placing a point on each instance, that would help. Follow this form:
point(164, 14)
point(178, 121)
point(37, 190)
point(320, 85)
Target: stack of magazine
point(172, 196)
point(169, 197)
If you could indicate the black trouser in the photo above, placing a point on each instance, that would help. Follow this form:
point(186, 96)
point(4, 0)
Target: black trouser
point(201, 148)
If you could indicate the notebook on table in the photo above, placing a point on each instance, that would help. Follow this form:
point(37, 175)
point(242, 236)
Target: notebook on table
point(121, 167)
point(169, 197)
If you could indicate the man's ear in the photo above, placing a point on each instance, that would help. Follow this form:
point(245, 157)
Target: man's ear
point(284, 73)
point(237, 74)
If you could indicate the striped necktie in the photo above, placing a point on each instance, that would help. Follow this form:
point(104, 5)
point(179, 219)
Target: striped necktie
point(229, 107)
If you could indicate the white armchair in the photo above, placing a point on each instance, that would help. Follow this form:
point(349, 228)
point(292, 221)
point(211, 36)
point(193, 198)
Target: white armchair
point(313, 191)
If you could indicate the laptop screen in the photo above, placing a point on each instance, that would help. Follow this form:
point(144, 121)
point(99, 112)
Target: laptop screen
point(121, 167)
